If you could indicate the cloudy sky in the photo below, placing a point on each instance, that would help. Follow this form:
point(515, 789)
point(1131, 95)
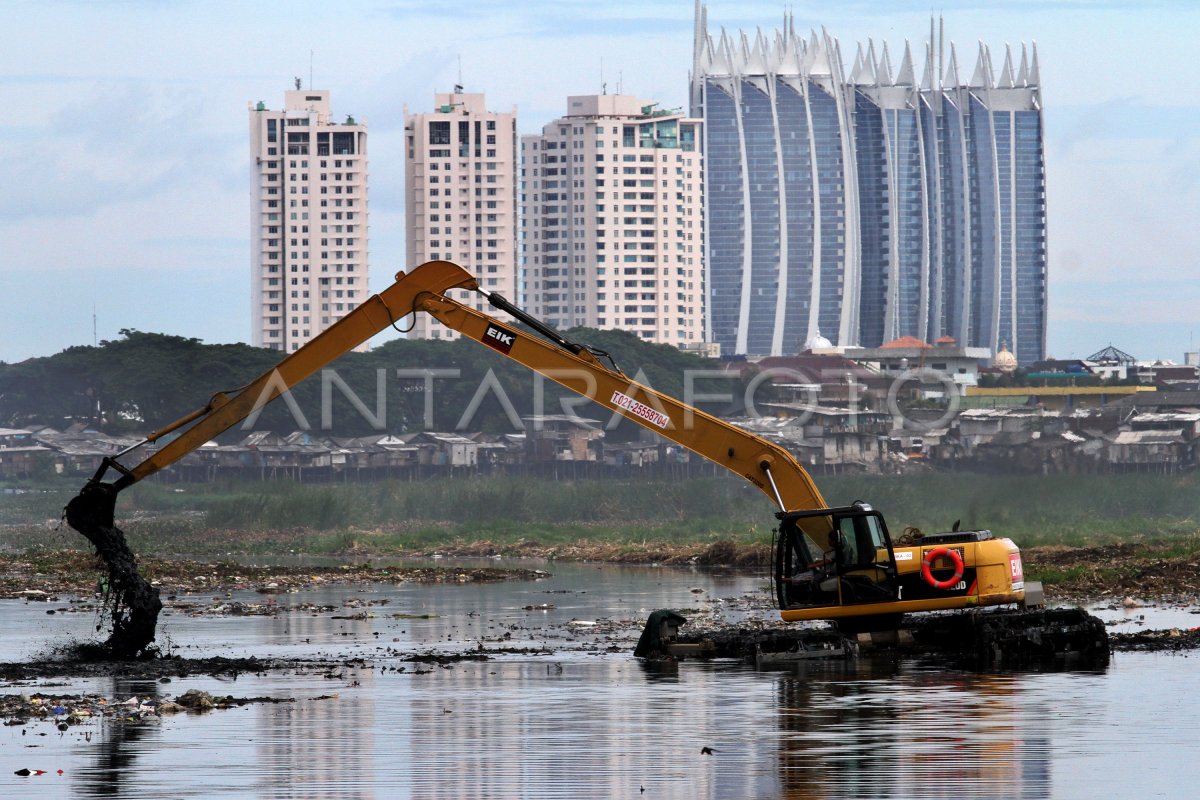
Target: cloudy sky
point(124, 137)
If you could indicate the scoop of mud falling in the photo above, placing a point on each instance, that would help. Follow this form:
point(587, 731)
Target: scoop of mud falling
point(132, 603)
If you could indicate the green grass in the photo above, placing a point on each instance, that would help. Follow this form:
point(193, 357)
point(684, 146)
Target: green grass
point(1072, 510)
point(1082, 510)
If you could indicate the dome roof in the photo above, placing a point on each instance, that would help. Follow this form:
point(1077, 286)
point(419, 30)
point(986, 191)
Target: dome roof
point(1004, 360)
point(817, 342)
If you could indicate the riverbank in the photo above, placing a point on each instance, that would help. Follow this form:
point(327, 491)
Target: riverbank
point(1167, 571)
point(65, 582)
point(47, 574)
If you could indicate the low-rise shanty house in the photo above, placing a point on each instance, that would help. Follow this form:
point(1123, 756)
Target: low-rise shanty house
point(21, 462)
point(499, 450)
point(1149, 451)
point(979, 425)
point(849, 437)
point(790, 436)
point(1036, 452)
point(1185, 422)
point(633, 454)
point(311, 451)
point(821, 421)
point(79, 450)
point(201, 463)
point(943, 447)
point(444, 449)
point(1168, 438)
point(297, 451)
point(908, 445)
point(230, 456)
point(853, 449)
point(264, 448)
point(380, 451)
point(561, 437)
point(20, 453)
point(16, 437)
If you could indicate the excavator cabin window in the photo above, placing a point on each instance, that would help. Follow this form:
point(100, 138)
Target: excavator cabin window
point(834, 557)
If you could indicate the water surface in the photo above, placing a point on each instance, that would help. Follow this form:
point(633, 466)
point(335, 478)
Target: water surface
point(590, 722)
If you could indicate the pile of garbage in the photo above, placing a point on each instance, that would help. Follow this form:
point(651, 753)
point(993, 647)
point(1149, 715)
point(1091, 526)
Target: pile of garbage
point(65, 711)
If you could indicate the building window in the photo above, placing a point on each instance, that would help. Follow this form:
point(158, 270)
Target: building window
point(439, 133)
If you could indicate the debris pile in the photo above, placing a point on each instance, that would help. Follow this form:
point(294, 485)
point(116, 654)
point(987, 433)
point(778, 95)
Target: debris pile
point(1170, 640)
point(65, 711)
point(46, 575)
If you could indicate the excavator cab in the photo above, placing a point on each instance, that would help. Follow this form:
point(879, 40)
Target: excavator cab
point(834, 557)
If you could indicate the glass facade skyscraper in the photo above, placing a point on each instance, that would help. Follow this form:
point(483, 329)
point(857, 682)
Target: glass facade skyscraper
point(870, 204)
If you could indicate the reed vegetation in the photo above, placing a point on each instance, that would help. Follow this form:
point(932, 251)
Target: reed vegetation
point(1068, 510)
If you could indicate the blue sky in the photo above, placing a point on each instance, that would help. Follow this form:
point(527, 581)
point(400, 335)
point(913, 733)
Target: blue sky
point(124, 156)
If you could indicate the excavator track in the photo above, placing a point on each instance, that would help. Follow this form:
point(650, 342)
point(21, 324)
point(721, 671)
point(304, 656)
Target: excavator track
point(1002, 639)
point(1016, 639)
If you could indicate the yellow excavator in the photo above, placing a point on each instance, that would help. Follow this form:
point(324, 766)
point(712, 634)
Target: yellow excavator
point(831, 563)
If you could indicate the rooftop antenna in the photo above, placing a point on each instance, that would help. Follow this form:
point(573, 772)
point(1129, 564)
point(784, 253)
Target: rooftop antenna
point(458, 87)
point(620, 80)
point(603, 85)
point(310, 69)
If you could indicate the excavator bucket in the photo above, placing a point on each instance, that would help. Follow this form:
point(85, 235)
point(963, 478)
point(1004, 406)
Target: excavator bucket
point(131, 602)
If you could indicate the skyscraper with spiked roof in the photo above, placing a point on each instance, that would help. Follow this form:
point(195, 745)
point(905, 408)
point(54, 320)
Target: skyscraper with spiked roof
point(872, 203)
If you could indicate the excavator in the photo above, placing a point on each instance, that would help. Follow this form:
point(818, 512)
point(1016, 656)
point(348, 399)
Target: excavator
point(830, 563)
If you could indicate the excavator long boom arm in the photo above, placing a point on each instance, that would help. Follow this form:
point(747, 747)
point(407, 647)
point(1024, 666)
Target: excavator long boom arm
point(862, 576)
point(769, 467)
point(223, 411)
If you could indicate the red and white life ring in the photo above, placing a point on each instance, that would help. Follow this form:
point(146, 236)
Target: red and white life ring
point(927, 567)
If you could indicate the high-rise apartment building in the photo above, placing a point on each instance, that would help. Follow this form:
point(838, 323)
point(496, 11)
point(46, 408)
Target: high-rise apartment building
point(612, 220)
point(871, 204)
point(308, 219)
point(460, 180)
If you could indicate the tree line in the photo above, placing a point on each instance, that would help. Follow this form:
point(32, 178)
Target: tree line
point(142, 381)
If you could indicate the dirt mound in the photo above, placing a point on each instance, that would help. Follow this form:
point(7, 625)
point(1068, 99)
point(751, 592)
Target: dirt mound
point(164, 667)
point(1137, 569)
point(1170, 640)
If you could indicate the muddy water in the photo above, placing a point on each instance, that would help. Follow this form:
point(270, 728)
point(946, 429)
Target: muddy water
point(585, 722)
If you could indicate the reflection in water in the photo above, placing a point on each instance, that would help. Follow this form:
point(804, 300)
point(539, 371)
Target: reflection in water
point(874, 729)
point(659, 671)
point(120, 743)
point(594, 722)
point(313, 748)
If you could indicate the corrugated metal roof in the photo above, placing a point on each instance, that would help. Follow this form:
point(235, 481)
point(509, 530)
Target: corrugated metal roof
point(1148, 437)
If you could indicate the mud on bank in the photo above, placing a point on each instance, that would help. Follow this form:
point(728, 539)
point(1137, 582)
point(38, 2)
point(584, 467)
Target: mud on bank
point(1128, 575)
point(38, 575)
point(1167, 571)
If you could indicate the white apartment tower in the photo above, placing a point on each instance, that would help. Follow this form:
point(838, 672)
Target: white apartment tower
point(612, 220)
point(460, 181)
point(308, 219)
